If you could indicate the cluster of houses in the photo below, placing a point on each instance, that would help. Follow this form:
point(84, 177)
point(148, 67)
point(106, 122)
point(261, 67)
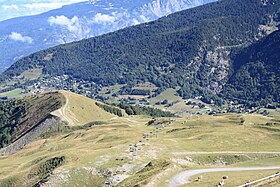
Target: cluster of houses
point(64, 82)
point(91, 89)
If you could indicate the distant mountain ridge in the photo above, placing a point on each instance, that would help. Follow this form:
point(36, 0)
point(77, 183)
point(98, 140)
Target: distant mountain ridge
point(25, 35)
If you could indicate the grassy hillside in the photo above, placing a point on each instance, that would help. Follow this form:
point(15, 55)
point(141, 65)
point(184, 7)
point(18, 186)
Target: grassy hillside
point(190, 49)
point(88, 156)
point(17, 117)
point(16, 93)
point(80, 110)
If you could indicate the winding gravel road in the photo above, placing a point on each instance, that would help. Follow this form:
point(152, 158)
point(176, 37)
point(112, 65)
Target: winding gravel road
point(184, 177)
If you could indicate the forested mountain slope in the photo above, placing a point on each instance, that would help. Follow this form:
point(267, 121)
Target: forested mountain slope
point(192, 49)
point(25, 35)
point(257, 73)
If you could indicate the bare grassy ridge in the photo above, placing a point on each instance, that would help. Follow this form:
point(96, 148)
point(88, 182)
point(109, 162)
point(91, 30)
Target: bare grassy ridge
point(97, 146)
point(80, 110)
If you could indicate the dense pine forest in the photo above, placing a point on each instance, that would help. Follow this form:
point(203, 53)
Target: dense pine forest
point(256, 79)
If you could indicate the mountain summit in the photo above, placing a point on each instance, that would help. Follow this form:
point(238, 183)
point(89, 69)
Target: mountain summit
point(25, 35)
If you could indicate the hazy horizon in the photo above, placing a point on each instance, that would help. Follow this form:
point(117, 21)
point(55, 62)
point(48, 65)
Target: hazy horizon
point(17, 8)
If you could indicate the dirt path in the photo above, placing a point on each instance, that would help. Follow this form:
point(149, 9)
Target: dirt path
point(184, 177)
point(131, 120)
point(125, 118)
point(157, 179)
point(62, 112)
point(114, 118)
point(222, 152)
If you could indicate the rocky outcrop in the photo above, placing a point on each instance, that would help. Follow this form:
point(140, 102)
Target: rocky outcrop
point(32, 135)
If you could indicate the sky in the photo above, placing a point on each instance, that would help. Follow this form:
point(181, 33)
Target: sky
point(15, 8)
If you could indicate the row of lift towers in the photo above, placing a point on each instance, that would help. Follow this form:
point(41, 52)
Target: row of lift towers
point(136, 147)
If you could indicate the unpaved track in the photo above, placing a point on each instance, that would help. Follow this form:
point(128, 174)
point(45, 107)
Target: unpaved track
point(62, 112)
point(184, 177)
point(222, 152)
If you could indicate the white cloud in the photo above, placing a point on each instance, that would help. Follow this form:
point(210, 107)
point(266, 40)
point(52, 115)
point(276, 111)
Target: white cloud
point(62, 20)
point(48, 5)
point(18, 37)
point(43, 5)
point(74, 25)
point(16, 8)
point(13, 7)
point(74, 1)
point(103, 18)
point(144, 18)
point(136, 22)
